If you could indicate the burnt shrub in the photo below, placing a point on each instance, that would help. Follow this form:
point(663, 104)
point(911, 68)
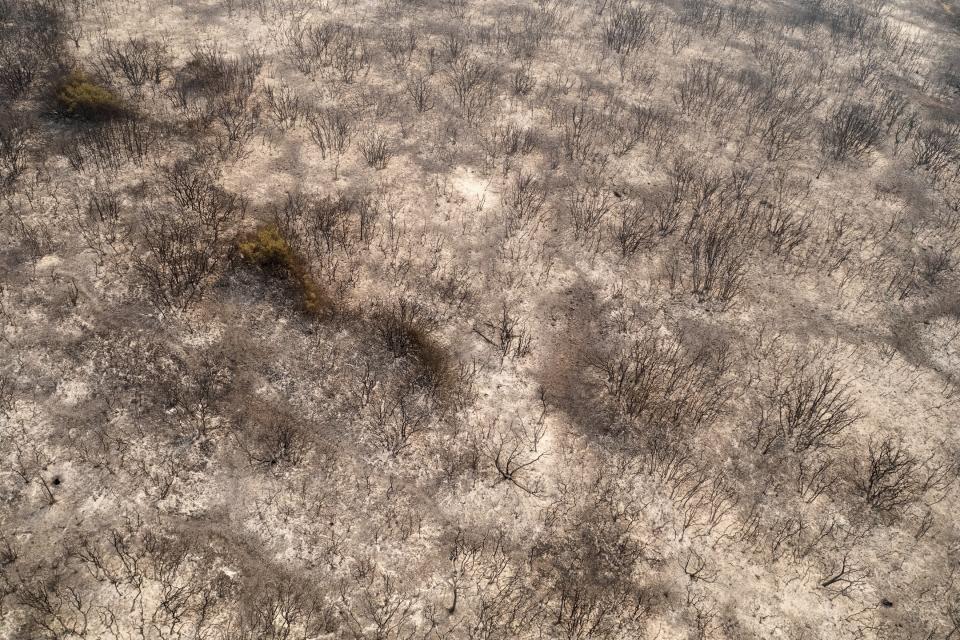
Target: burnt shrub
point(936, 149)
point(31, 44)
point(186, 240)
point(110, 145)
point(852, 129)
point(16, 133)
point(406, 328)
point(137, 60)
point(892, 478)
point(210, 82)
point(271, 438)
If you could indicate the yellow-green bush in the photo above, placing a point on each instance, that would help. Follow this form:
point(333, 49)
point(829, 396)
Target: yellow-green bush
point(81, 97)
point(268, 249)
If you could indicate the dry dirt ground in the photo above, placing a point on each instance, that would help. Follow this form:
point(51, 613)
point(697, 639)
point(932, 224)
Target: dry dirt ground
point(477, 319)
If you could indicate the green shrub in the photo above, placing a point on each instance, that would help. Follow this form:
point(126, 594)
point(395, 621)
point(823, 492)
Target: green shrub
point(267, 249)
point(79, 96)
